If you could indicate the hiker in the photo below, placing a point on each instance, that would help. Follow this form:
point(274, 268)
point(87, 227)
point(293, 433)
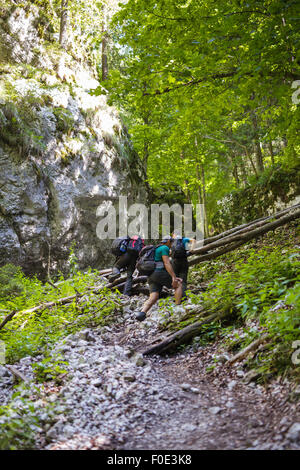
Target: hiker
point(163, 275)
point(180, 265)
point(126, 250)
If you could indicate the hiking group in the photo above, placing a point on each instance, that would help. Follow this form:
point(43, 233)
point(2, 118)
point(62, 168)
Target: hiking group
point(154, 262)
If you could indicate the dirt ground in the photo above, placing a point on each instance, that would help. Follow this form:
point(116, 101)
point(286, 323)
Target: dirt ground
point(218, 410)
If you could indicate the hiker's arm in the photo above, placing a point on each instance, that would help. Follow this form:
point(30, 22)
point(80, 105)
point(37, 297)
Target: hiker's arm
point(193, 243)
point(169, 268)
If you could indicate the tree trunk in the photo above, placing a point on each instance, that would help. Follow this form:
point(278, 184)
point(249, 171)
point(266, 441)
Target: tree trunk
point(186, 182)
point(252, 164)
point(201, 177)
point(243, 172)
point(236, 175)
point(259, 156)
point(63, 31)
point(199, 193)
point(250, 225)
point(204, 200)
point(181, 336)
point(146, 145)
point(271, 152)
point(237, 240)
point(104, 47)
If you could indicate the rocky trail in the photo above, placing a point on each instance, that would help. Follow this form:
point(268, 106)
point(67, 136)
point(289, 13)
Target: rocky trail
point(114, 398)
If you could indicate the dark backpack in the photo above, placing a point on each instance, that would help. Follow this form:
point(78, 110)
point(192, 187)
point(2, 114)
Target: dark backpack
point(135, 245)
point(145, 263)
point(178, 249)
point(119, 246)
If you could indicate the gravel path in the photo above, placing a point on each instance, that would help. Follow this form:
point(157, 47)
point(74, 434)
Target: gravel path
point(113, 398)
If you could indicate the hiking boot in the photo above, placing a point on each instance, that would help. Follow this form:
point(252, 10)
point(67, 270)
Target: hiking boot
point(140, 316)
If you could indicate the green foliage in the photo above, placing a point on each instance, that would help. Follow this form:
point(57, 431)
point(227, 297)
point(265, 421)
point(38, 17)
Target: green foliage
point(205, 90)
point(18, 427)
point(10, 281)
point(64, 119)
point(283, 325)
point(73, 261)
point(36, 333)
point(208, 334)
point(49, 369)
point(254, 287)
point(273, 185)
point(21, 420)
point(21, 126)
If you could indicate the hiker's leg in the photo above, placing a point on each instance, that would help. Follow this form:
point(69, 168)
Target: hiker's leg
point(115, 273)
point(176, 266)
point(180, 269)
point(120, 263)
point(130, 271)
point(183, 275)
point(128, 284)
point(153, 298)
point(123, 261)
point(178, 293)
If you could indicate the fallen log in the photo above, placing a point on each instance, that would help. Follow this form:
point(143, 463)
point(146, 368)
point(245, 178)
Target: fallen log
point(251, 347)
point(39, 308)
point(248, 226)
point(145, 291)
point(215, 254)
point(181, 336)
point(249, 234)
point(105, 271)
point(140, 290)
point(136, 280)
point(17, 374)
point(65, 300)
point(120, 286)
point(8, 318)
point(241, 238)
point(259, 223)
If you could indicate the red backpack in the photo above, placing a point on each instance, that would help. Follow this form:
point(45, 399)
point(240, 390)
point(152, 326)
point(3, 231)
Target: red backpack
point(135, 245)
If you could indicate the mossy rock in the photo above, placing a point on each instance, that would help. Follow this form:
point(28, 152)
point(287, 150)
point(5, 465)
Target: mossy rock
point(64, 118)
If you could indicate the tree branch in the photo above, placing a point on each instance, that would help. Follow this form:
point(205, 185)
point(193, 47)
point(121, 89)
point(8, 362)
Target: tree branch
point(192, 82)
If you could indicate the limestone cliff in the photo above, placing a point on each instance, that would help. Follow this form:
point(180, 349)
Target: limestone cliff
point(62, 150)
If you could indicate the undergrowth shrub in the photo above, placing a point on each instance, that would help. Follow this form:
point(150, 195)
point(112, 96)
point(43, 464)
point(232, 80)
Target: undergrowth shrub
point(32, 333)
point(10, 281)
point(258, 291)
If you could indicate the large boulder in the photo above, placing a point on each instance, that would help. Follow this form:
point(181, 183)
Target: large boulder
point(63, 151)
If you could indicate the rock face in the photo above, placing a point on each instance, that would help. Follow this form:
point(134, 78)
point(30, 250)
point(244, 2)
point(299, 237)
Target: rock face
point(63, 151)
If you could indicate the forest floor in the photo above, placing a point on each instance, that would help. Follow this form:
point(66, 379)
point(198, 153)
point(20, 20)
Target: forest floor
point(113, 398)
point(217, 410)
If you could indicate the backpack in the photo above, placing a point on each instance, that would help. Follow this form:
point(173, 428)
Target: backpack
point(119, 245)
point(145, 263)
point(178, 249)
point(135, 245)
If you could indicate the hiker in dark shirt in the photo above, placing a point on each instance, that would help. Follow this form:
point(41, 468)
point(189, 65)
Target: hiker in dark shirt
point(163, 275)
point(127, 261)
point(179, 259)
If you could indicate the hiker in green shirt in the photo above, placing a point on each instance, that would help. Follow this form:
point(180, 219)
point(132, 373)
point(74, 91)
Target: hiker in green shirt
point(163, 275)
point(179, 258)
